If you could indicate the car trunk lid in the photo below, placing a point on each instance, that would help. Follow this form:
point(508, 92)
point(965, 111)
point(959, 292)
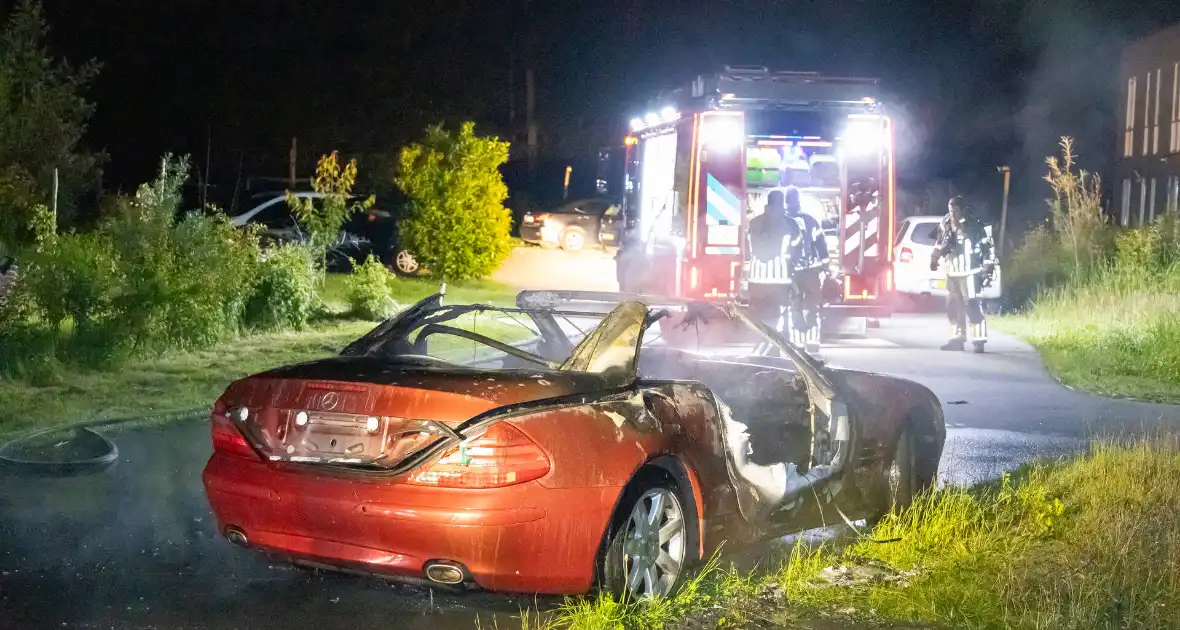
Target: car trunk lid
point(361, 411)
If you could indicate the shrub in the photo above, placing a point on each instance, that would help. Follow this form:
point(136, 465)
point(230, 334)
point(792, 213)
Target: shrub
point(284, 292)
point(1138, 248)
point(324, 217)
point(142, 281)
point(368, 290)
point(184, 283)
point(1039, 263)
point(458, 226)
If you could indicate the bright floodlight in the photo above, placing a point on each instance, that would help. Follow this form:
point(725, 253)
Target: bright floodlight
point(723, 132)
point(653, 119)
point(862, 135)
point(636, 124)
point(669, 114)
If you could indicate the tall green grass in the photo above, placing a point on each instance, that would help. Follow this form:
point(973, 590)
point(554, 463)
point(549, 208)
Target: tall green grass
point(1115, 331)
point(1101, 303)
point(1088, 542)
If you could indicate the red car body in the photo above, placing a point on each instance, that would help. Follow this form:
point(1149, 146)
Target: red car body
point(562, 454)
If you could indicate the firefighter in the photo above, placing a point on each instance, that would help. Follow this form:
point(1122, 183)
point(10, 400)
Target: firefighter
point(965, 251)
point(788, 255)
point(768, 276)
point(809, 260)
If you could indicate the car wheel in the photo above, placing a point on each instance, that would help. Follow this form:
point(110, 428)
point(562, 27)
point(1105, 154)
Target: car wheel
point(573, 239)
point(405, 263)
point(651, 543)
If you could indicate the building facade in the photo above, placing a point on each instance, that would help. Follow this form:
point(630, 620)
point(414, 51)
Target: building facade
point(1148, 173)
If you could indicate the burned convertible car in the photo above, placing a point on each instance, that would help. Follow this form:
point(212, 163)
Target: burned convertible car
point(578, 441)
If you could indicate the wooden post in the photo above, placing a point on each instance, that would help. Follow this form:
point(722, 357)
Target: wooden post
point(1003, 212)
point(291, 163)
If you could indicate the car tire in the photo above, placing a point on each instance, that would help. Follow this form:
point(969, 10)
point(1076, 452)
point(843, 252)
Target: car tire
point(573, 239)
point(900, 480)
point(405, 264)
point(639, 562)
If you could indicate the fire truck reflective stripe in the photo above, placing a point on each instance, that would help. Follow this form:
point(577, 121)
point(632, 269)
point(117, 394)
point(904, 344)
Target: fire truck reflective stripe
point(724, 251)
point(852, 245)
point(721, 206)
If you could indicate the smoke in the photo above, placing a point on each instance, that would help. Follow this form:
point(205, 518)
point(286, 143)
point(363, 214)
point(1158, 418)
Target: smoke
point(1072, 86)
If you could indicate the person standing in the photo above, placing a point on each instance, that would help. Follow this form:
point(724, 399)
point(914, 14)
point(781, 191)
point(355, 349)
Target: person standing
point(788, 255)
point(768, 276)
point(966, 252)
point(809, 259)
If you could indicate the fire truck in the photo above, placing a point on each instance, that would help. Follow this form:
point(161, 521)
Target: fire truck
point(701, 159)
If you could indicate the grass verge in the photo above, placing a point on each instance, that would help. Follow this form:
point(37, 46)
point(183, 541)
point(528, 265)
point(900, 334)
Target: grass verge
point(1117, 334)
point(183, 380)
point(1087, 542)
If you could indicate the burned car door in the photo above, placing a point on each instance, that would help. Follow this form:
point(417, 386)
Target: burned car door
point(785, 433)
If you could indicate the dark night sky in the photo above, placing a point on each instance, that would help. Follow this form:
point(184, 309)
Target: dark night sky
point(975, 83)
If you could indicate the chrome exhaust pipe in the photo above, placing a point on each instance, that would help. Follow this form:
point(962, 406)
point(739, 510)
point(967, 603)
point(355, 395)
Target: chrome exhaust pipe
point(236, 537)
point(444, 572)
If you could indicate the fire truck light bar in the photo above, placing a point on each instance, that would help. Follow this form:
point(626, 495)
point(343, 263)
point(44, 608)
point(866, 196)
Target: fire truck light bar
point(666, 115)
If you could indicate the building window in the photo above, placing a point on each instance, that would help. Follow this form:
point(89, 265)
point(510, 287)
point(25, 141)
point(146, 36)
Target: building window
point(1129, 124)
point(1147, 120)
point(1126, 215)
point(1155, 121)
point(1174, 147)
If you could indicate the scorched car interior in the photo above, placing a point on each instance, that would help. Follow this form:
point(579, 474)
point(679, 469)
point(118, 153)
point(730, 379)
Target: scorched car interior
point(579, 440)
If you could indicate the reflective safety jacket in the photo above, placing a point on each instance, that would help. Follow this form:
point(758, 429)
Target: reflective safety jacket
point(964, 249)
point(781, 244)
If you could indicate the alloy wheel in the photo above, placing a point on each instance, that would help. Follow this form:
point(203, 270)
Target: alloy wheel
point(572, 241)
point(406, 263)
point(654, 541)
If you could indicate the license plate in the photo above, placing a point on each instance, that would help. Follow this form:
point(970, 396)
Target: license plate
point(528, 219)
point(938, 284)
point(608, 237)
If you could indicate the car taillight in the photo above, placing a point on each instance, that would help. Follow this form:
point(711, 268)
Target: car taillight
point(542, 219)
point(227, 439)
point(503, 456)
point(907, 255)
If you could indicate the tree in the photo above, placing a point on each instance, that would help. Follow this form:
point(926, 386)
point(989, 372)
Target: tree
point(325, 216)
point(458, 226)
point(43, 117)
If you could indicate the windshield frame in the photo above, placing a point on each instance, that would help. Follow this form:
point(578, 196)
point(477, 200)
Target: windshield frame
point(430, 313)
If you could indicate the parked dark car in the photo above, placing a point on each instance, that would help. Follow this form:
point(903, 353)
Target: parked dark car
point(572, 226)
point(370, 232)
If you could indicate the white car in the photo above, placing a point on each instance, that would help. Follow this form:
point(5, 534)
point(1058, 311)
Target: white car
point(915, 241)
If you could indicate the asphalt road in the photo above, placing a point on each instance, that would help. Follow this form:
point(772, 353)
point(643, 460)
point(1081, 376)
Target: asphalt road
point(1002, 408)
point(134, 547)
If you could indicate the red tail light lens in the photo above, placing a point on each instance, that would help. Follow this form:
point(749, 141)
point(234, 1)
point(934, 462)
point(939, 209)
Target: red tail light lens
point(907, 255)
point(503, 456)
point(227, 439)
